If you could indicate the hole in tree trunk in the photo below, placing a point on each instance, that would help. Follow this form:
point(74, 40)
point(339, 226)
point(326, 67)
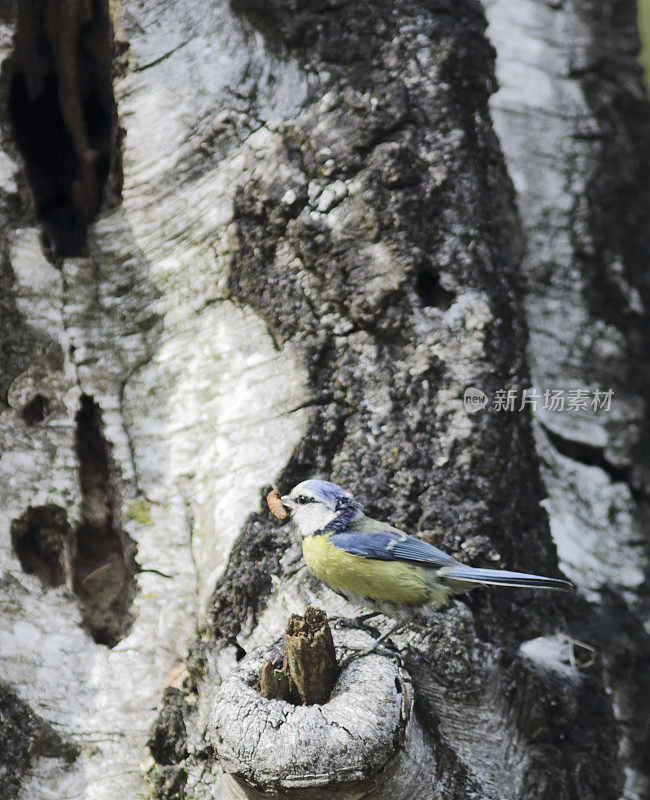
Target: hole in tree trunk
point(97, 558)
point(35, 410)
point(41, 541)
point(63, 113)
point(430, 291)
point(103, 566)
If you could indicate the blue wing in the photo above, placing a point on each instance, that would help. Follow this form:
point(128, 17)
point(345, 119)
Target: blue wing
point(373, 539)
point(378, 540)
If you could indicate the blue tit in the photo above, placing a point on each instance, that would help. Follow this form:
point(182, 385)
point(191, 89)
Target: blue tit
point(375, 565)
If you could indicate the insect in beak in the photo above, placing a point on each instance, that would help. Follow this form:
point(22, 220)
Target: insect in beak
point(278, 505)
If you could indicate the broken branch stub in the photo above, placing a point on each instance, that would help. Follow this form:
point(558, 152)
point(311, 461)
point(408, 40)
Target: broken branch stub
point(364, 741)
point(309, 656)
point(309, 667)
point(274, 683)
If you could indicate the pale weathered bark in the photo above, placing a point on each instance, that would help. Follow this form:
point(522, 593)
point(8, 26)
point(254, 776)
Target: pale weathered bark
point(309, 247)
point(574, 125)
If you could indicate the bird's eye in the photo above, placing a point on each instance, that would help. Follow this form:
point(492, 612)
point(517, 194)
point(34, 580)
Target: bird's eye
point(302, 499)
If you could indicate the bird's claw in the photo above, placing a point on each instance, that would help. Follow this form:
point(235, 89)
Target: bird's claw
point(385, 652)
point(354, 623)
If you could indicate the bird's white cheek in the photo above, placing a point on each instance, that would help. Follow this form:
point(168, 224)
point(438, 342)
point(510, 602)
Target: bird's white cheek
point(312, 518)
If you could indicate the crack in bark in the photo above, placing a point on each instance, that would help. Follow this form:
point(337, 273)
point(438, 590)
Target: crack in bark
point(130, 443)
point(154, 62)
point(593, 456)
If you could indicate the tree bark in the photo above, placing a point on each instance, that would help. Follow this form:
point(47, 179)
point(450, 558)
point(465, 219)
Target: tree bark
point(319, 227)
point(587, 245)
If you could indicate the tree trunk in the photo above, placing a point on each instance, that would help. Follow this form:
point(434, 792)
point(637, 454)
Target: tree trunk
point(247, 243)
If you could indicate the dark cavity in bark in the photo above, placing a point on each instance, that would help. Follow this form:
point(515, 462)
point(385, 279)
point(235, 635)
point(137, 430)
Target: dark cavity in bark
point(35, 410)
point(64, 115)
point(25, 737)
point(103, 566)
point(95, 557)
point(41, 540)
point(430, 291)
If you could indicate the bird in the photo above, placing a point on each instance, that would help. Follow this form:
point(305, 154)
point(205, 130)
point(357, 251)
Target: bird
point(379, 567)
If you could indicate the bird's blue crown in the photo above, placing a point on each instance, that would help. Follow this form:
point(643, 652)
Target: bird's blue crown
point(327, 491)
point(340, 501)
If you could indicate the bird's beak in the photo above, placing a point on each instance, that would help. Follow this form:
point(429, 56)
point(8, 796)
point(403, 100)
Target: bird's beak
point(287, 502)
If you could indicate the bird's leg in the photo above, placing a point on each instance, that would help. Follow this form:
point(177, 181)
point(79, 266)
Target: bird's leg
point(362, 618)
point(358, 621)
point(399, 624)
point(373, 647)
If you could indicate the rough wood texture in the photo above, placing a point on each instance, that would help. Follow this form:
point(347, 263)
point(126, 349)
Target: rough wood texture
point(309, 248)
point(174, 369)
point(364, 742)
point(309, 666)
point(309, 656)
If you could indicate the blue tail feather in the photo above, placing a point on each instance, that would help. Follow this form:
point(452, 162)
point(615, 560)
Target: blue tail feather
point(498, 577)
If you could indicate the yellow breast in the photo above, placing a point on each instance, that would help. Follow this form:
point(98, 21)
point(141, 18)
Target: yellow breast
point(391, 581)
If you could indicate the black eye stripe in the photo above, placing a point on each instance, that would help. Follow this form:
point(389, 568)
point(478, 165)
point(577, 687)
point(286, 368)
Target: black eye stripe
point(302, 499)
